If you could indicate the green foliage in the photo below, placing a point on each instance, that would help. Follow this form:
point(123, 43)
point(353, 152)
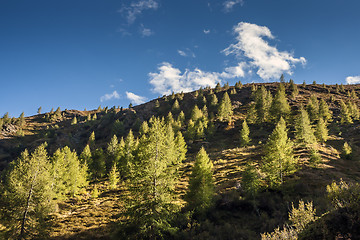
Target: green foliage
point(324, 111)
point(354, 110)
point(315, 158)
point(302, 216)
point(251, 181)
point(74, 121)
point(347, 151)
point(280, 107)
point(181, 118)
point(343, 194)
point(21, 122)
point(176, 107)
point(321, 131)
point(39, 110)
point(68, 174)
point(196, 114)
point(287, 233)
point(251, 115)
point(353, 94)
point(91, 141)
point(97, 165)
point(118, 128)
point(263, 102)
point(200, 194)
point(218, 88)
point(94, 117)
point(225, 112)
point(28, 194)
point(279, 160)
point(113, 177)
point(95, 192)
point(345, 114)
point(238, 85)
point(303, 130)
point(152, 180)
point(244, 134)
point(313, 108)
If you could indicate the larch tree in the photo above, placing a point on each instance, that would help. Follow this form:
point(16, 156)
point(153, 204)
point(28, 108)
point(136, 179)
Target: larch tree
point(321, 131)
point(244, 134)
point(201, 189)
point(279, 160)
point(280, 107)
point(313, 108)
point(113, 177)
point(304, 133)
point(68, 174)
point(39, 110)
point(324, 111)
point(225, 111)
point(175, 107)
point(196, 113)
point(345, 114)
point(152, 180)
point(263, 102)
point(28, 194)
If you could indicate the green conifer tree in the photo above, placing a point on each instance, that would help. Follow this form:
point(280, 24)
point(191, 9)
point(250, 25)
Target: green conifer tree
point(196, 113)
point(280, 107)
point(313, 108)
point(22, 120)
point(263, 102)
point(91, 141)
point(113, 177)
point(279, 157)
point(200, 194)
point(176, 107)
point(324, 111)
point(181, 117)
point(303, 130)
point(345, 115)
point(152, 181)
point(68, 173)
point(28, 196)
point(321, 131)
point(39, 110)
point(74, 121)
point(244, 134)
point(218, 87)
point(225, 111)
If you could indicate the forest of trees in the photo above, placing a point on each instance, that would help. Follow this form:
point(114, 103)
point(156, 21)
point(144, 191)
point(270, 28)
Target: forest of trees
point(148, 159)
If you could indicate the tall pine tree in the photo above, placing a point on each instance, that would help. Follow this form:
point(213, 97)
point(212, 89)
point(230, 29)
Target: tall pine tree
point(279, 160)
point(225, 112)
point(201, 190)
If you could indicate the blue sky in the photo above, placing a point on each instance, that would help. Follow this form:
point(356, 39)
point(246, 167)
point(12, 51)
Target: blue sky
point(82, 54)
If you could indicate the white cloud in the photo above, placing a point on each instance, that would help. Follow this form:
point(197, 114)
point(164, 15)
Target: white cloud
point(136, 99)
point(186, 53)
point(109, 96)
point(182, 53)
point(229, 4)
point(206, 31)
point(136, 8)
point(269, 61)
point(352, 80)
point(170, 79)
point(145, 32)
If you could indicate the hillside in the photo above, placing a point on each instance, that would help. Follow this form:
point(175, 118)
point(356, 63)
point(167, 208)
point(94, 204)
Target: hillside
point(234, 214)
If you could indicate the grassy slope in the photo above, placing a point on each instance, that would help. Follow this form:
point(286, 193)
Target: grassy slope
point(84, 216)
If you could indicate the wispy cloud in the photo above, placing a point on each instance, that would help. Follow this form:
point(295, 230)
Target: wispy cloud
point(169, 79)
point(145, 32)
point(186, 53)
point(206, 31)
point(136, 8)
point(136, 99)
point(109, 96)
point(353, 80)
point(268, 60)
point(229, 4)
